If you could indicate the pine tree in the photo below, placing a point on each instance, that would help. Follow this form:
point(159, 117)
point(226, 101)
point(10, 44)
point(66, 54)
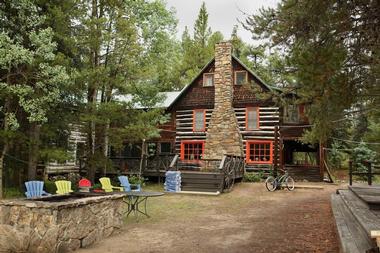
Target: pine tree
point(333, 56)
point(32, 78)
point(202, 33)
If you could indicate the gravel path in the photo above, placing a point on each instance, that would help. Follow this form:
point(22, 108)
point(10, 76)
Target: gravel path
point(249, 219)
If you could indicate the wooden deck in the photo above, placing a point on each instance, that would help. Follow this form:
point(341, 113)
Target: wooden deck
point(369, 195)
point(196, 180)
point(355, 220)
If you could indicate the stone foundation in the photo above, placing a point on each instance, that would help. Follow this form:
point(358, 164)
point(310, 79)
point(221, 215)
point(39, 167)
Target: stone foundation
point(36, 226)
point(223, 135)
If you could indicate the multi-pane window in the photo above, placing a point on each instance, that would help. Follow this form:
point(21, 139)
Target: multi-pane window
point(199, 120)
point(192, 150)
point(241, 77)
point(252, 118)
point(208, 79)
point(259, 151)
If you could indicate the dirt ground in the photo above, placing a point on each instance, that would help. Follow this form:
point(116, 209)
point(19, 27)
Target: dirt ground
point(249, 219)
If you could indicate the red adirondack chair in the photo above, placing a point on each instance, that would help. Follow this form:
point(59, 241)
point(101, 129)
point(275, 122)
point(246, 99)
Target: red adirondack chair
point(84, 185)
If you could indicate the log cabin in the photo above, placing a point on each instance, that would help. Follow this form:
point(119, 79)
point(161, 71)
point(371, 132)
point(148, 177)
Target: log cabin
point(220, 112)
point(218, 121)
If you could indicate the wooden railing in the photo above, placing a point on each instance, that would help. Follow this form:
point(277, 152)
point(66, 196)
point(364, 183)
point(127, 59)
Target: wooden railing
point(231, 166)
point(372, 170)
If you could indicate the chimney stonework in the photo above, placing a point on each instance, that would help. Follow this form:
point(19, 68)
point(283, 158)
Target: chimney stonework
point(223, 135)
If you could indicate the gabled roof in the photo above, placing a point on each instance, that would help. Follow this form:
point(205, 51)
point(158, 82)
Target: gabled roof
point(270, 88)
point(192, 81)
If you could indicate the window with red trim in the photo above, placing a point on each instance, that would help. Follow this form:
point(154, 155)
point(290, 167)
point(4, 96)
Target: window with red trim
point(259, 152)
point(199, 120)
point(252, 118)
point(192, 150)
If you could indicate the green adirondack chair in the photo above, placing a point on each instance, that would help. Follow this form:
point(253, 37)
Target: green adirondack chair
point(106, 185)
point(63, 187)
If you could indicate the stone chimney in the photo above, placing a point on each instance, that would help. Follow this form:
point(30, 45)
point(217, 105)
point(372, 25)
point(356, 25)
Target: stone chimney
point(223, 136)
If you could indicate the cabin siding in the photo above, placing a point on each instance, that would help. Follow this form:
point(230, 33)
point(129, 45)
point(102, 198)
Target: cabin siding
point(184, 127)
point(268, 120)
point(197, 96)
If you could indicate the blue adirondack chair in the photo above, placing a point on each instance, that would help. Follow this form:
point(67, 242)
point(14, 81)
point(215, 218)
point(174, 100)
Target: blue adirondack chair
point(126, 185)
point(35, 189)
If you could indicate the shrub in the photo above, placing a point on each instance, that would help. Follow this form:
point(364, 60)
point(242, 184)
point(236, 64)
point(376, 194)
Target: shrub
point(13, 192)
point(50, 187)
point(362, 154)
point(97, 186)
point(252, 177)
point(136, 180)
point(335, 156)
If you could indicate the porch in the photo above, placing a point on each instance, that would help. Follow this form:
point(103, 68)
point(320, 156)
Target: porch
point(205, 175)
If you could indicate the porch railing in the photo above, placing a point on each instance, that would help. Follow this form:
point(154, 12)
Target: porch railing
point(372, 170)
point(231, 166)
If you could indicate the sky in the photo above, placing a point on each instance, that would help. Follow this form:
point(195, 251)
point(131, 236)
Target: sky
point(223, 14)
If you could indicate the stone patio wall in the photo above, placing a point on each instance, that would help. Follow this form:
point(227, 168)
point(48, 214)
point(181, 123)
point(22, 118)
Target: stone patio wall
point(35, 226)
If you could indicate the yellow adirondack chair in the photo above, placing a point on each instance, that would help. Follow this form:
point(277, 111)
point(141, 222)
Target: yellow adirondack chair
point(106, 185)
point(63, 187)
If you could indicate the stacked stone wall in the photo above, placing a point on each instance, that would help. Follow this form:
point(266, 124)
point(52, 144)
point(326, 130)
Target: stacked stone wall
point(27, 226)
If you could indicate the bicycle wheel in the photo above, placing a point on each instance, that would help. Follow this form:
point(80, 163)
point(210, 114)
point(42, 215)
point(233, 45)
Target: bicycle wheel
point(289, 183)
point(271, 184)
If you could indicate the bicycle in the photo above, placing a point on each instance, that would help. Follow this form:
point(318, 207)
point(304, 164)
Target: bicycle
point(273, 183)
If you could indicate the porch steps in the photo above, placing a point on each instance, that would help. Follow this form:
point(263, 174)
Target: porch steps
point(354, 222)
point(201, 181)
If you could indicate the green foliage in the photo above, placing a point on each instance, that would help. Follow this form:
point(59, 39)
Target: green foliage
point(97, 186)
point(362, 154)
point(134, 179)
point(50, 187)
point(373, 133)
point(55, 154)
point(335, 156)
point(327, 52)
point(11, 193)
point(253, 177)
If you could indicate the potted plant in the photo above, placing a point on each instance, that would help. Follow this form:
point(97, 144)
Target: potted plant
point(136, 182)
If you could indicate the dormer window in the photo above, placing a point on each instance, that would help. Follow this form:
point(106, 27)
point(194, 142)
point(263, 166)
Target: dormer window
point(208, 79)
point(241, 77)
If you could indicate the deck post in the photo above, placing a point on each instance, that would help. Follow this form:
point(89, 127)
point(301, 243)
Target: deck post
point(350, 171)
point(276, 148)
point(369, 170)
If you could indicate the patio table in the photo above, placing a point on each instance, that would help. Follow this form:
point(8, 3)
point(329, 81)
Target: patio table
point(134, 199)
